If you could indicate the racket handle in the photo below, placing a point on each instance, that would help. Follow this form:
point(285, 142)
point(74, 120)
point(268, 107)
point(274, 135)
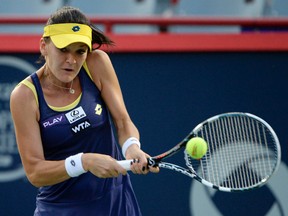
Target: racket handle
point(125, 164)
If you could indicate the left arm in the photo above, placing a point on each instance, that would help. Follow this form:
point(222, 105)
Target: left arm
point(106, 80)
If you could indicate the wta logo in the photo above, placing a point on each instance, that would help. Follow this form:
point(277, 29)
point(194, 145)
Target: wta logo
point(80, 127)
point(11, 167)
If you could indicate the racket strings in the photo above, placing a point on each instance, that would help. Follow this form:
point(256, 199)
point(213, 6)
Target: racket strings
point(241, 152)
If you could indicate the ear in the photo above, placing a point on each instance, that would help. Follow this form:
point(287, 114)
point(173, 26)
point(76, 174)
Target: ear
point(43, 47)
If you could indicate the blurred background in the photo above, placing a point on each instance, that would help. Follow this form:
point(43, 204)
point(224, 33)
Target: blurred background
point(179, 62)
point(140, 8)
point(251, 8)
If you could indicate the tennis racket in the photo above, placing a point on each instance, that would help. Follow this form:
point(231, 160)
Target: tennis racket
point(243, 153)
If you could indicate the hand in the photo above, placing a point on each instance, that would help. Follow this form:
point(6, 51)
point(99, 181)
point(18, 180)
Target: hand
point(102, 166)
point(139, 165)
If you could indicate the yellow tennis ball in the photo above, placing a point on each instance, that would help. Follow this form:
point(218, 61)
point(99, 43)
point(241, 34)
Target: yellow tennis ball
point(196, 147)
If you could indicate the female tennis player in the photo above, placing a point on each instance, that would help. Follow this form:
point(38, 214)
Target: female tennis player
point(63, 127)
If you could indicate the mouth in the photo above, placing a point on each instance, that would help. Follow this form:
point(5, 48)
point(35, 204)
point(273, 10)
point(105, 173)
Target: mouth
point(68, 69)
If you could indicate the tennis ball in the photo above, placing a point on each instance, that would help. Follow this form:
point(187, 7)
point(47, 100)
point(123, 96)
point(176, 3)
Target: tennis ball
point(196, 147)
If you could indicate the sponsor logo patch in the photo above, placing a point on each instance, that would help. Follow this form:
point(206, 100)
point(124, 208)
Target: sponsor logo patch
point(75, 115)
point(98, 109)
point(81, 126)
point(53, 121)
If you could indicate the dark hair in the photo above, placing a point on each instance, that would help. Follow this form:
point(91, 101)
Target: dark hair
point(68, 14)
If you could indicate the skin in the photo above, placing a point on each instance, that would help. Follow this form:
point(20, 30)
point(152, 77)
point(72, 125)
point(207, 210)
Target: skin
point(61, 68)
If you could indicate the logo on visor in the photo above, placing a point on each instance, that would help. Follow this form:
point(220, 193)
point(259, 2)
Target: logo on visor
point(76, 28)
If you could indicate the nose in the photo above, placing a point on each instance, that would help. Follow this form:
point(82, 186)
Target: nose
point(70, 59)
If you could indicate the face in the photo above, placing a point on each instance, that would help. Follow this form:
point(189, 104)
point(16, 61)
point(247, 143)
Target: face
point(63, 64)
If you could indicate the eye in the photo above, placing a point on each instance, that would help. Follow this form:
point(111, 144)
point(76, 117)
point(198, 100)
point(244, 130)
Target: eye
point(81, 51)
point(63, 49)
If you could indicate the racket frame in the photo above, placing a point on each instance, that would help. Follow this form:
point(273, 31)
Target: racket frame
point(157, 160)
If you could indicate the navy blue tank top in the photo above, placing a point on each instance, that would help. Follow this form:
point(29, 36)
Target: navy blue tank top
point(84, 128)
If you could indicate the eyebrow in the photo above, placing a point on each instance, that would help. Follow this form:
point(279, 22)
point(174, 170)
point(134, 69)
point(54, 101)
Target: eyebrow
point(83, 46)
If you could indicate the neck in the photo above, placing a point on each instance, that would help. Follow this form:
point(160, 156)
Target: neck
point(50, 80)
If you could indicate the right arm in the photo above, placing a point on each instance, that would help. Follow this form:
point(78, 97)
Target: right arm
point(25, 114)
point(41, 172)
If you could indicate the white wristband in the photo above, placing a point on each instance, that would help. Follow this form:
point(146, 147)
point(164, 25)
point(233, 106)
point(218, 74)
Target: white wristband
point(73, 165)
point(130, 141)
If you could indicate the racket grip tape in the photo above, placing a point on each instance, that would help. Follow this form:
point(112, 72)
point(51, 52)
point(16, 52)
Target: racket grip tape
point(127, 163)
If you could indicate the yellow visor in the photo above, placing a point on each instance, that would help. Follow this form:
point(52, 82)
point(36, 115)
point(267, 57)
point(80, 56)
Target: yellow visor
point(64, 34)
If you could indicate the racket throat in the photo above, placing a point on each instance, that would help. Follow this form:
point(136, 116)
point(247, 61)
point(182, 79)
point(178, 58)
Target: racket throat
point(153, 162)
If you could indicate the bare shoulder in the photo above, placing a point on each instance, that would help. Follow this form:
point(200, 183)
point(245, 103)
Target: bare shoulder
point(98, 58)
point(100, 67)
point(98, 54)
point(22, 97)
point(21, 92)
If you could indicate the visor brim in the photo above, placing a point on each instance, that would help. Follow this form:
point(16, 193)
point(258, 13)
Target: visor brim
point(64, 40)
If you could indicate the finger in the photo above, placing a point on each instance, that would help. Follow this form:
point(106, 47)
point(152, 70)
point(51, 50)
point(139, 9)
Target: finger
point(136, 167)
point(114, 173)
point(122, 171)
point(154, 169)
point(145, 170)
